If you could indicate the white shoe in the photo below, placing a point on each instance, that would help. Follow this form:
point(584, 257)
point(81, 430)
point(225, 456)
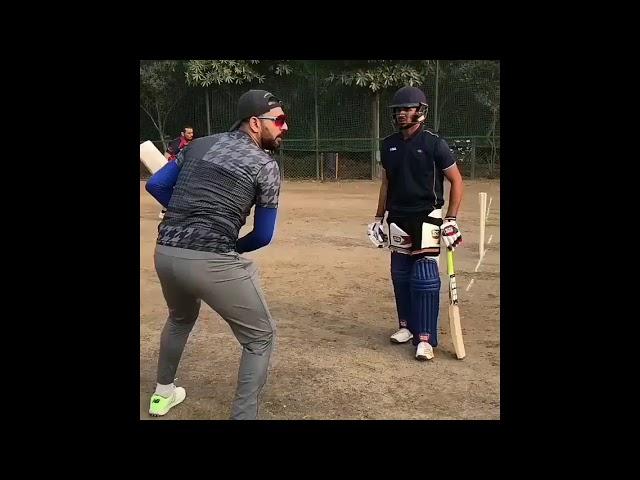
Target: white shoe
point(424, 351)
point(402, 336)
point(159, 406)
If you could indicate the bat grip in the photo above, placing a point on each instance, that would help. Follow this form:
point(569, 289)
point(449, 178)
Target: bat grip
point(449, 261)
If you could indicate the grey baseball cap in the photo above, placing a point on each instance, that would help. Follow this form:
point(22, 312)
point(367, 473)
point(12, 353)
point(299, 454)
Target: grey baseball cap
point(253, 104)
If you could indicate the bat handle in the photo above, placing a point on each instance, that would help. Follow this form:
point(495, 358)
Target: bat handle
point(449, 261)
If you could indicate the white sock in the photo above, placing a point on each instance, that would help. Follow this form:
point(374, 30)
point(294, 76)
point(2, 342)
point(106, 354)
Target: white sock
point(165, 390)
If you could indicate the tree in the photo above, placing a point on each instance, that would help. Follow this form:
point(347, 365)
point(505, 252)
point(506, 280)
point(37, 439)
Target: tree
point(483, 76)
point(161, 88)
point(207, 73)
point(377, 75)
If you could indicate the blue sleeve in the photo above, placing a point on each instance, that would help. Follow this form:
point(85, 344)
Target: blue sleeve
point(264, 223)
point(161, 183)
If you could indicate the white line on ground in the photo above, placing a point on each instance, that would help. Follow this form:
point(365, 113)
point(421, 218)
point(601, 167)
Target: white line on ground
point(488, 209)
point(469, 286)
point(480, 261)
point(477, 266)
point(489, 241)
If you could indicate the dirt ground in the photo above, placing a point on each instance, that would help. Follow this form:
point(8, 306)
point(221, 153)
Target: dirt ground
point(330, 293)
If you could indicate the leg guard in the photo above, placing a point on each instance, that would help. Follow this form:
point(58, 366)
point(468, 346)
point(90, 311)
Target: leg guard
point(401, 275)
point(425, 301)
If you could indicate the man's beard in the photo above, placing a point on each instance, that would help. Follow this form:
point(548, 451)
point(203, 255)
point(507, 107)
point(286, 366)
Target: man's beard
point(273, 144)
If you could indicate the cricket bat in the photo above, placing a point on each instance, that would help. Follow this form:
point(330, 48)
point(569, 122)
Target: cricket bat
point(454, 311)
point(151, 157)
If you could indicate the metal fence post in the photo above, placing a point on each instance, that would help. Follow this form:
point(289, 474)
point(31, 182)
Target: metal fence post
point(206, 98)
point(315, 100)
point(375, 133)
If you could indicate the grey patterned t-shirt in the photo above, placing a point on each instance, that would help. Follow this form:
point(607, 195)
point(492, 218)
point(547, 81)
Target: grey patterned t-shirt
point(221, 177)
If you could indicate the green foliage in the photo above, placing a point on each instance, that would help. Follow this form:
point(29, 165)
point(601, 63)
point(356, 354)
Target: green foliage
point(161, 88)
point(205, 73)
point(380, 74)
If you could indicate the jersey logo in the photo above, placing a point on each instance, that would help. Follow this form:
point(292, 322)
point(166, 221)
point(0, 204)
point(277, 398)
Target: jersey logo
point(392, 149)
point(419, 151)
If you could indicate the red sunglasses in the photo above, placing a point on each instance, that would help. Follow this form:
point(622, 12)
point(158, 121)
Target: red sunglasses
point(279, 121)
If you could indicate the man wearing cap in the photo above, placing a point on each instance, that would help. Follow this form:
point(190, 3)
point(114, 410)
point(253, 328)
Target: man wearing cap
point(208, 192)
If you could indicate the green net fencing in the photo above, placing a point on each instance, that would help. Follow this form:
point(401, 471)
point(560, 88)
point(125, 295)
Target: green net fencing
point(332, 132)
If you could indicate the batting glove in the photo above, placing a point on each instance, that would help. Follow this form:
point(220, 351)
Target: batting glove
point(451, 233)
point(376, 234)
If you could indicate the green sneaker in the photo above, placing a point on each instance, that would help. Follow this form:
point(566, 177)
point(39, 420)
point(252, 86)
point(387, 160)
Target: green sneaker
point(160, 405)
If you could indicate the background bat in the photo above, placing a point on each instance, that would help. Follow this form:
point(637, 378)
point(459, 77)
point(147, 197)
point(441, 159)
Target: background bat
point(151, 156)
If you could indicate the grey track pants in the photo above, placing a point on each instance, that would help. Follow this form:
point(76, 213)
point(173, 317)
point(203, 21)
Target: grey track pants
point(229, 284)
